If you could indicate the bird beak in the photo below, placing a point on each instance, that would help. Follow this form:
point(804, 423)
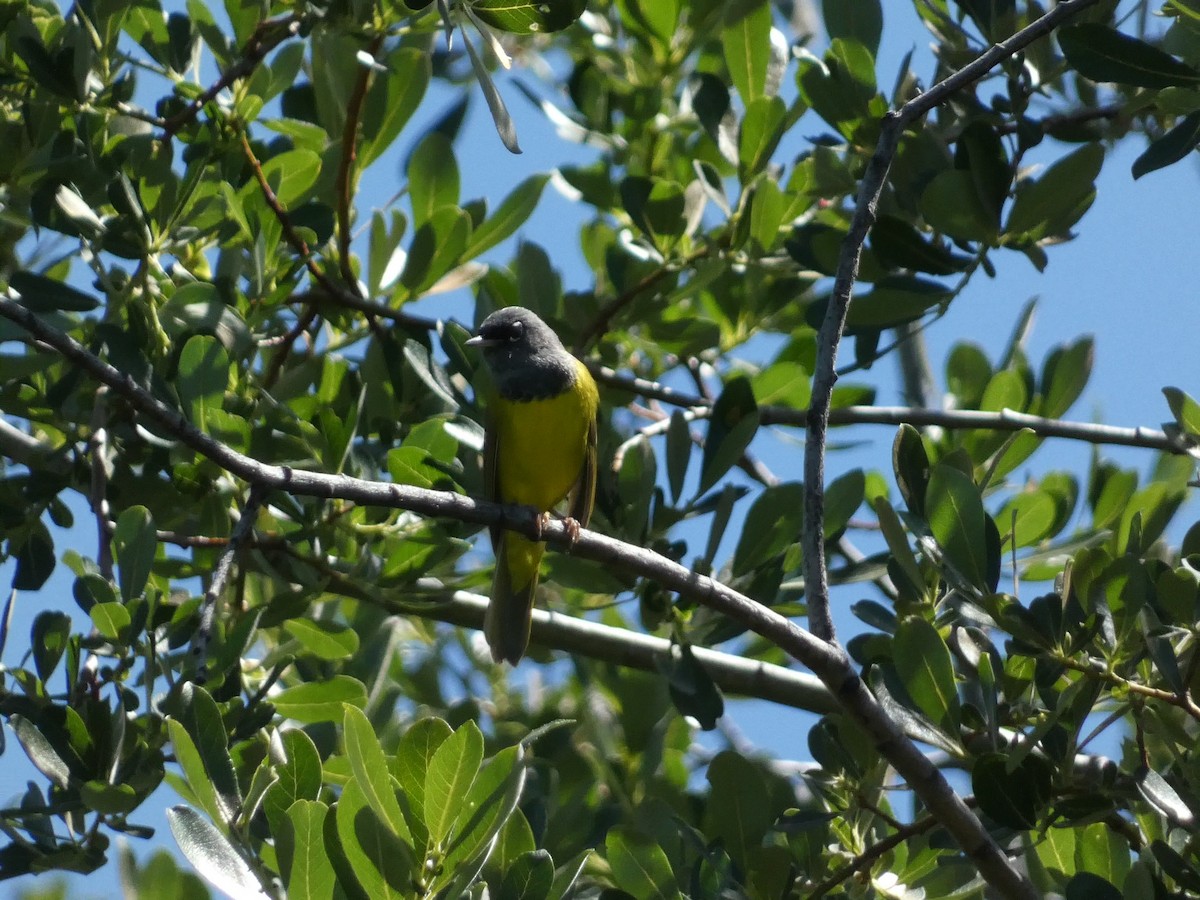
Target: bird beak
point(476, 341)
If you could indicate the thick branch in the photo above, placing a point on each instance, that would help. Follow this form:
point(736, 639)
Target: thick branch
point(633, 650)
point(827, 661)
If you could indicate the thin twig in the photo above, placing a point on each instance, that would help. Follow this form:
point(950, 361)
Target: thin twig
point(289, 230)
point(268, 35)
point(868, 857)
point(345, 173)
point(220, 577)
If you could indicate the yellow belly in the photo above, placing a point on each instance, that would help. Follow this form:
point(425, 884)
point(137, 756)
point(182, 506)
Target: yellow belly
point(541, 446)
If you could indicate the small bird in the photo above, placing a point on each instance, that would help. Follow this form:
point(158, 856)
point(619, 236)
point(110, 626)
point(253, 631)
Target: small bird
point(539, 446)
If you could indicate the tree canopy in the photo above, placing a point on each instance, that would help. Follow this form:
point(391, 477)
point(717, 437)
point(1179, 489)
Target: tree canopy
point(227, 361)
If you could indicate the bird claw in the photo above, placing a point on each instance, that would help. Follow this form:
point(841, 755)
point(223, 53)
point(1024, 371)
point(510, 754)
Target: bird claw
point(541, 520)
point(573, 529)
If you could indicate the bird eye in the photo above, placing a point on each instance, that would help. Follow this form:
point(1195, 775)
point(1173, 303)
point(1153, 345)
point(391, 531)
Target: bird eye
point(516, 331)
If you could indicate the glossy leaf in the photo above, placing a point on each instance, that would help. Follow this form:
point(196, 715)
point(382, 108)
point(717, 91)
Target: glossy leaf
point(956, 519)
point(527, 16)
point(370, 769)
point(311, 875)
point(772, 523)
point(1015, 797)
point(212, 855)
point(1105, 54)
point(134, 546)
point(861, 20)
point(731, 426)
point(1171, 147)
point(320, 701)
point(746, 42)
point(639, 865)
point(923, 662)
point(452, 770)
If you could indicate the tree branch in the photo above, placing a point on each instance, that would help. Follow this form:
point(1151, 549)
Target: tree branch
point(267, 36)
point(827, 661)
point(829, 336)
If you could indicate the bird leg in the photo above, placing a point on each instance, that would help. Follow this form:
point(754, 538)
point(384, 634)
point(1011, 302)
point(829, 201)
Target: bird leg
point(541, 520)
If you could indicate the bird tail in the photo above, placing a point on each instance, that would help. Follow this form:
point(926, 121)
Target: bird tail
point(506, 624)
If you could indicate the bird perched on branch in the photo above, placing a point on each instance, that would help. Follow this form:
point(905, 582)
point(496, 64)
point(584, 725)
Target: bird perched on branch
point(539, 447)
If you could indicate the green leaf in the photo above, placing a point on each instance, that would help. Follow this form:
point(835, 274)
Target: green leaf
point(203, 377)
point(1169, 148)
point(843, 497)
point(692, 689)
point(746, 42)
point(35, 559)
point(202, 720)
point(860, 20)
point(311, 875)
point(433, 179)
point(528, 16)
point(910, 463)
point(761, 129)
point(197, 308)
point(1027, 518)
point(452, 770)
point(291, 175)
point(501, 118)
point(42, 294)
point(1012, 796)
point(320, 701)
point(897, 541)
point(134, 547)
point(639, 865)
point(210, 852)
point(298, 774)
point(956, 520)
point(894, 300)
point(783, 383)
point(40, 751)
point(1104, 54)
point(1158, 792)
point(324, 640)
point(679, 452)
point(899, 244)
point(517, 207)
point(1185, 410)
point(1051, 204)
point(111, 620)
point(370, 769)
point(436, 247)
point(951, 204)
point(531, 877)
point(377, 860)
point(411, 767)
point(772, 524)
point(731, 426)
point(923, 662)
point(109, 799)
point(739, 809)
point(490, 802)
point(48, 639)
point(1065, 375)
point(391, 101)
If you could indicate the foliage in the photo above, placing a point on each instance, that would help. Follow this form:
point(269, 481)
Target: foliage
point(216, 248)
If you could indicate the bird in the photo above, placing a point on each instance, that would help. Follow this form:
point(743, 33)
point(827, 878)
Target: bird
point(539, 447)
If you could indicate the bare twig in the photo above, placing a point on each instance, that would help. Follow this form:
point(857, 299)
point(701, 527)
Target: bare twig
point(345, 173)
point(98, 490)
point(220, 577)
point(267, 36)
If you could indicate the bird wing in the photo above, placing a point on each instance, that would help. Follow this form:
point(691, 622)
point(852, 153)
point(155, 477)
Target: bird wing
point(491, 468)
point(583, 495)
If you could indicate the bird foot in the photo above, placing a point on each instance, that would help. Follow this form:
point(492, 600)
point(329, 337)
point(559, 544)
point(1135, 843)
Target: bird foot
point(573, 529)
point(541, 520)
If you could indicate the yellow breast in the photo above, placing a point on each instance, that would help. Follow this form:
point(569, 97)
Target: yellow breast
point(541, 444)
